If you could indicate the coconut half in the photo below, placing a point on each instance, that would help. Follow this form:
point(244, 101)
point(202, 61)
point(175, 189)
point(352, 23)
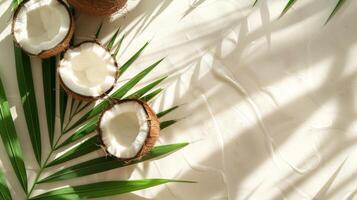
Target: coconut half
point(98, 7)
point(88, 71)
point(129, 129)
point(43, 28)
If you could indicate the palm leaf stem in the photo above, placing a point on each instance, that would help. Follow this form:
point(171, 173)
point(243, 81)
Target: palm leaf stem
point(43, 166)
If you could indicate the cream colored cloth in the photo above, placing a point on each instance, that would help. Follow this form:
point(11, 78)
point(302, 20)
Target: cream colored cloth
point(269, 103)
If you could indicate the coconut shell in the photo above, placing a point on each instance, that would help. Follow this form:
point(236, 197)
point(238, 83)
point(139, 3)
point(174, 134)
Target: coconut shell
point(153, 123)
point(83, 97)
point(62, 46)
point(98, 7)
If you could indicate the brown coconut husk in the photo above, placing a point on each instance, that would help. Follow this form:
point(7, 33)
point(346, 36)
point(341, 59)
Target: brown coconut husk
point(83, 97)
point(62, 46)
point(98, 7)
point(153, 123)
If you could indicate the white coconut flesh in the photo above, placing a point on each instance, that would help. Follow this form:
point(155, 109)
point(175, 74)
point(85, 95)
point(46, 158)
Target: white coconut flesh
point(41, 25)
point(88, 70)
point(124, 129)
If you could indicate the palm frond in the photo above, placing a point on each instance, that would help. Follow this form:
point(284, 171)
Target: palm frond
point(108, 188)
point(28, 100)
point(85, 147)
point(63, 105)
point(99, 30)
point(15, 3)
point(128, 63)
point(4, 189)
point(106, 163)
point(10, 139)
point(88, 128)
point(141, 92)
point(81, 105)
point(89, 123)
point(49, 87)
point(337, 7)
point(112, 40)
point(151, 95)
point(287, 7)
point(168, 123)
point(165, 112)
point(73, 106)
point(118, 46)
point(255, 3)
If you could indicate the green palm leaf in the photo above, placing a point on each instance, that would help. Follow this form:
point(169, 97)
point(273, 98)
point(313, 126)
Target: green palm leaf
point(167, 124)
point(26, 88)
point(255, 3)
point(132, 59)
point(145, 89)
point(4, 189)
point(81, 107)
point(119, 45)
point(88, 128)
point(15, 3)
point(106, 163)
point(291, 2)
point(72, 107)
point(85, 147)
point(287, 7)
point(63, 104)
point(337, 7)
point(49, 87)
point(112, 40)
point(10, 140)
point(99, 30)
point(118, 94)
point(28, 99)
point(151, 95)
point(102, 189)
point(165, 112)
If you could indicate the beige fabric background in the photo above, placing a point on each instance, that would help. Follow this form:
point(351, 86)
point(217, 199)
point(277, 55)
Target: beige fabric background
point(270, 104)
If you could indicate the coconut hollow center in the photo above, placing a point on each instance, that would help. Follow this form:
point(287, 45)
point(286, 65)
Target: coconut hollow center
point(42, 24)
point(127, 126)
point(88, 70)
point(124, 129)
